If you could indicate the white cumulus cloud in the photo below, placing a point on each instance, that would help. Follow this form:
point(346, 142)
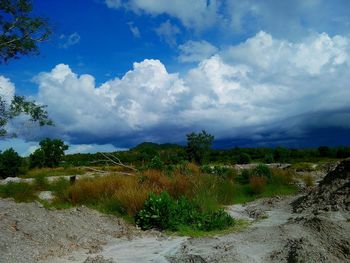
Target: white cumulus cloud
point(196, 51)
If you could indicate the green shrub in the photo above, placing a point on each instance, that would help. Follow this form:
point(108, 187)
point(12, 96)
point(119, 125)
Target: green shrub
point(263, 170)
point(164, 212)
point(156, 163)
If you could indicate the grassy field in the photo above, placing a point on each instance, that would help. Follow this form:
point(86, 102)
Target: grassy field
point(196, 195)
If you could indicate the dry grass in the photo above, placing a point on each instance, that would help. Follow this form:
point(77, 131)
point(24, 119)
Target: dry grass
point(257, 184)
point(130, 192)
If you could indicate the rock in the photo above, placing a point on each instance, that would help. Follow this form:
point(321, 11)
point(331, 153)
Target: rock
point(46, 196)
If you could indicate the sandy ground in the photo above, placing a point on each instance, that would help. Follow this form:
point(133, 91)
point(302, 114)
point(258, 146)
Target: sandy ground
point(309, 227)
point(31, 233)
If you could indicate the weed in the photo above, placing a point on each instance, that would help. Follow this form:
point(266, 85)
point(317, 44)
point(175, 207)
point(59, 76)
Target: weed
point(21, 192)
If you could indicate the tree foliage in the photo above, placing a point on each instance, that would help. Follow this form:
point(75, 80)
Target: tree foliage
point(49, 154)
point(20, 31)
point(18, 106)
point(10, 163)
point(198, 146)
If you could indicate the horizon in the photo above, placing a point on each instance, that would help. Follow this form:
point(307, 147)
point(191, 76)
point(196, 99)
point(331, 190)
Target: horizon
point(118, 73)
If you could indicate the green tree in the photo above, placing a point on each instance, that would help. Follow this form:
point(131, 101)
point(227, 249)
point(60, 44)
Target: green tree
point(18, 106)
point(20, 31)
point(244, 158)
point(198, 146)
point(49, 154)
point(10, 162)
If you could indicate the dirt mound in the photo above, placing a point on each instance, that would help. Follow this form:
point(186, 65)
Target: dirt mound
point(332, 194)
point(30, 233)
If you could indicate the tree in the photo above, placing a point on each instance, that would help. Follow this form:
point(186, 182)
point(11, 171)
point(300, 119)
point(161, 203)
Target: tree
point(198, 146)
point(20, 31)
point(10, 162)
point(18, 106)
point(49, 154)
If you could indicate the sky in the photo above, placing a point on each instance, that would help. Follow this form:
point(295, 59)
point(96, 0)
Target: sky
point(253, 73)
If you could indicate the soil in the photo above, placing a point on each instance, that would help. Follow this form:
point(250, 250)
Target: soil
point(297, 228)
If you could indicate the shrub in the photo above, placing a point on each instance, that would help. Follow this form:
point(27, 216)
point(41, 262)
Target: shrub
point(156, 163)
point(10, 163)
point(163, 212)
point(263, 170)
point(244, 158)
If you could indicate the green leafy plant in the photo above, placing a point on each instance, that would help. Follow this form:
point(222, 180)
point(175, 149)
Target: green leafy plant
point(164, 212)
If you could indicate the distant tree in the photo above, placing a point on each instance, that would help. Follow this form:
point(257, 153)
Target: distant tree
point(244, 158)
point(281, 154)
point(198, 146)
point(49, 154)
point(10, 162)
point(20, 31)
point(324, 151)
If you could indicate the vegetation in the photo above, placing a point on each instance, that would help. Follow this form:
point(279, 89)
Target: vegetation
point(164, 212)
point(49, 154)
point(198, 146)
point(20, 32)
point(10, 163)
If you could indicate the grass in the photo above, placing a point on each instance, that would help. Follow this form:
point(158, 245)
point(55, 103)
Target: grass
point(60, 171)
point(125, 195)
point(20, 192)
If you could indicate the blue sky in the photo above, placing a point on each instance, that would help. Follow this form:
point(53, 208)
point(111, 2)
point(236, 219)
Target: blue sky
point(253, 73)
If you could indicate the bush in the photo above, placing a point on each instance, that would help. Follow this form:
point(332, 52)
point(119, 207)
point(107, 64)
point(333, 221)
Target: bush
point(263, 170)
point(156, 163)
point(163, 212)
point(244, 158)
point(10, 163)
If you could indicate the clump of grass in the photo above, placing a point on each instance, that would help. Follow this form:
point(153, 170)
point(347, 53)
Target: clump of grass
point(41, 183)
point(257, 184)
point(21, 192)
point(308, 180)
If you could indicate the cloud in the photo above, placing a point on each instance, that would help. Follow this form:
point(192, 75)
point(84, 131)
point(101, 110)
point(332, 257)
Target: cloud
point(196, 51)
point(7, 89)
point(114, 3)
point(134, 30)
point(287, 19)
point(168, 32)
point(194, 14)
point(265, 89)
point(71, 40)
point(117, 108)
